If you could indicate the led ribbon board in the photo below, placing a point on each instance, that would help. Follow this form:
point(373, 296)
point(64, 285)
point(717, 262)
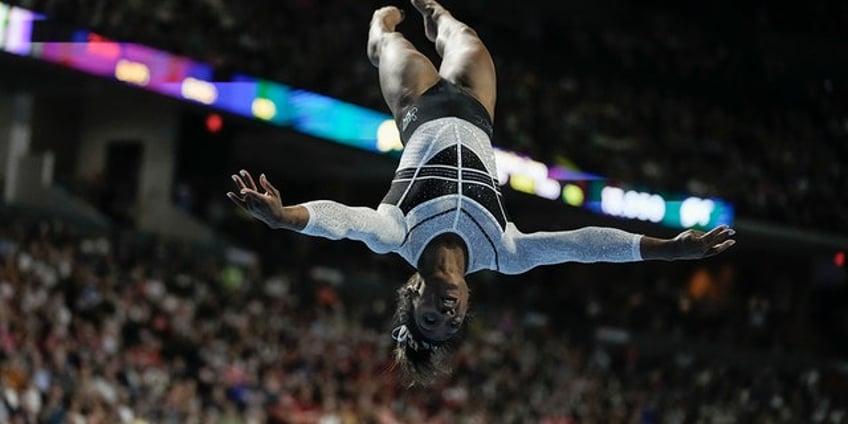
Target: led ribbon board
point(328, 118)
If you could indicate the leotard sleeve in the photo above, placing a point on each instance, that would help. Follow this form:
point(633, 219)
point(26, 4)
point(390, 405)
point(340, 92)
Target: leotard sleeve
point(522, 252)
point(382, 230)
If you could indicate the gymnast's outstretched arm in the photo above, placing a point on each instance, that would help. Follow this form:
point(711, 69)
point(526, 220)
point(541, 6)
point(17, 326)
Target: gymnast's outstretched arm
point(382, 230)
point(523, 252)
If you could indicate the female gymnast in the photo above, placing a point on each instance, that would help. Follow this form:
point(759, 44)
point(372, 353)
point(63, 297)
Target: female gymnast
point(444, 212)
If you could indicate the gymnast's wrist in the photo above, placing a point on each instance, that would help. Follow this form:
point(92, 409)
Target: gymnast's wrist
point(660, 249)
point(291, 218)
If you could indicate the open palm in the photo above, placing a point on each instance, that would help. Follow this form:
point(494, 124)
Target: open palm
point(266, 207)
point(696, 244)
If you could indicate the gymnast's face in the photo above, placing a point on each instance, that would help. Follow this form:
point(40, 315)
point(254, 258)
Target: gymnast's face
point(441, 306)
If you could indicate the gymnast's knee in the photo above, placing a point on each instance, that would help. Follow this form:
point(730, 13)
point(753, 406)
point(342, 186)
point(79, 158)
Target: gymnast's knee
point(460, 36)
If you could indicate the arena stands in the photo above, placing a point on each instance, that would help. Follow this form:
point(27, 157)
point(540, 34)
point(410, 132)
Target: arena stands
point(107, 328)
point(121, 327)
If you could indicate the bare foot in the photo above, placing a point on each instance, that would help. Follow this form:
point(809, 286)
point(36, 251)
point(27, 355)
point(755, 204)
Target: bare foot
point(390, 16)
point(430, 10)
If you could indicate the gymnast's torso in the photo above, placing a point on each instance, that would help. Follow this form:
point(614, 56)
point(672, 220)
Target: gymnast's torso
point(446, 181)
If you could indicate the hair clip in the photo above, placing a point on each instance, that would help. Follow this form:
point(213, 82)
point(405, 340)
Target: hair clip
point(401, 335)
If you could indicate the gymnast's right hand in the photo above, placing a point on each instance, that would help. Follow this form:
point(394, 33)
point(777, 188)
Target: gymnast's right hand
point(266, 207)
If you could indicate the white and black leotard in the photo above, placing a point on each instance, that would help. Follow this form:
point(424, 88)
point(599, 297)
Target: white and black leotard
point(446, 182)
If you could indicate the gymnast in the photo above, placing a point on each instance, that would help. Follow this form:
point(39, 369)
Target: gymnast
point(444, 212)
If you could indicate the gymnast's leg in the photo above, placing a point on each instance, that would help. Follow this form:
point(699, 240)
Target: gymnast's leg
point(405, 73)
point(465, 60)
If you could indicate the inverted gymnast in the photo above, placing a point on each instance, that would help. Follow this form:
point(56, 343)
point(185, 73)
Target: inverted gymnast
point(444, 212)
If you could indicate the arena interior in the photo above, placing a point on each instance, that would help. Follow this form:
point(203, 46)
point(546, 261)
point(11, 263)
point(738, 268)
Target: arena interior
point(134, 291)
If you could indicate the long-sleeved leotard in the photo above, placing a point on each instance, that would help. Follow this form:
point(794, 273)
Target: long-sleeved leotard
point(446, 182)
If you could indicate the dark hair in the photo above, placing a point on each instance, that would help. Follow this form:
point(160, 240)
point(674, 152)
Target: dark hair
point(423, 360)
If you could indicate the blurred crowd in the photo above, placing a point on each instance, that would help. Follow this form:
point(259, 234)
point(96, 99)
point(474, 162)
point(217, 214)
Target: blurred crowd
point(754, 112)
point(107, 328)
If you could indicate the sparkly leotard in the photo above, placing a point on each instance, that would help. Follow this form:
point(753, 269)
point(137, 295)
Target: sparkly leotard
point(446, 182)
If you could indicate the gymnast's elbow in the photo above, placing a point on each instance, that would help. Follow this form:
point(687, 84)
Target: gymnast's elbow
point(387, 241)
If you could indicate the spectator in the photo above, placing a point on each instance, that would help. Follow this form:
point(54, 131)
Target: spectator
point(86, 338)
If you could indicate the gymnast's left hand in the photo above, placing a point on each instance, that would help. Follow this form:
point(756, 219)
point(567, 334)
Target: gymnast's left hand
point(266, 207)
point(695, 244)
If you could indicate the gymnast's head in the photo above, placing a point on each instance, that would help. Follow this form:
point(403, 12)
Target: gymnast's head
point(427, 325)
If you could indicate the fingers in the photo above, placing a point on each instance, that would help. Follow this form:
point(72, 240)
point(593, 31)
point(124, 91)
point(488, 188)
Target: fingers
point(245, 186)
point(263, 181)
point(248, 199)
point(727, 233)
point(239, 183)
point(246, 176)
point(250, 192)
point(718, 235)
point(715, 231)
point(241, 202)
point(721, 247)
point(710, 243)
point(245, 181)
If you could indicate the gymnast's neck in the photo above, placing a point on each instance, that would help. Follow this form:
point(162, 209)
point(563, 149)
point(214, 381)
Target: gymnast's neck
point(446, 255)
